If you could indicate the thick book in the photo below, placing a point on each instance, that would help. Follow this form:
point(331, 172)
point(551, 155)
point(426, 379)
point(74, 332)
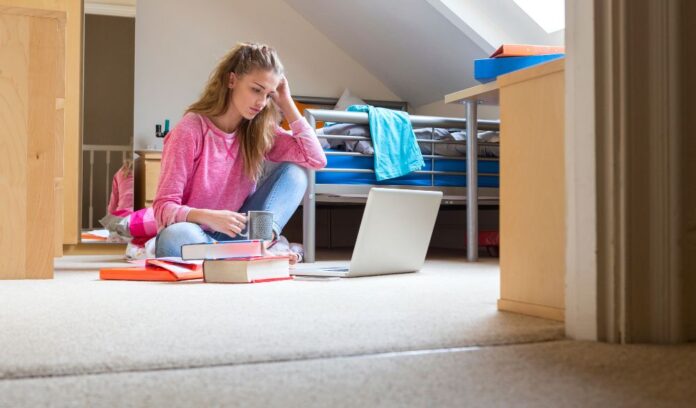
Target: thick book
point(488, 69)
point(226, 249)
point(523, 50)
point(156, 269)
point(247, 270)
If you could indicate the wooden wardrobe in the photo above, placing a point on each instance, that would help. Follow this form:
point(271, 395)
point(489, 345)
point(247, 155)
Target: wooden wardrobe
point(39, 121)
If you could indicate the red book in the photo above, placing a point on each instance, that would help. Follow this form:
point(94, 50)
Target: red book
point(524, 50)
point(247, 270)
point(162, 269)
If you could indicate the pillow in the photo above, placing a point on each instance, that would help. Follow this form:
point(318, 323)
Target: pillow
point(348, 99)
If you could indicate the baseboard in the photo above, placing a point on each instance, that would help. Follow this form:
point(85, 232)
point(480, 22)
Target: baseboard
point(546, 312)
point(94, 249)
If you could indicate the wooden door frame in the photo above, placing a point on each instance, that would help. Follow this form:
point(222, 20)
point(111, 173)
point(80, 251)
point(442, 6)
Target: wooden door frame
point(624, 191)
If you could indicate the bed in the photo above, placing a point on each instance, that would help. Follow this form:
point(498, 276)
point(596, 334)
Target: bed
point(349, 175)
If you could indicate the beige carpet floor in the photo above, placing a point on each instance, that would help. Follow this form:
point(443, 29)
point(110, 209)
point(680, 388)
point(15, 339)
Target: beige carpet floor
point(76, 324)
point(550, 374)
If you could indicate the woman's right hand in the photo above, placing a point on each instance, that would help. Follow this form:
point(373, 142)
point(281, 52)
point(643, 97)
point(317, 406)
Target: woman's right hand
point(227, 222)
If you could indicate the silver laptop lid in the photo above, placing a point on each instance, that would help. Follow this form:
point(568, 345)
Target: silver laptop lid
point(395, 231)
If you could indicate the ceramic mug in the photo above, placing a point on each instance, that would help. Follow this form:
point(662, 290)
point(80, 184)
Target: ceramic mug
point(259, 225)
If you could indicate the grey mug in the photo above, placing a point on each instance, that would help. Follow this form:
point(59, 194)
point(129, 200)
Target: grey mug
point(259, 225)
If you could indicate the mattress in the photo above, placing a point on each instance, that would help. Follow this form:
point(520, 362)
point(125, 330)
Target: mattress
point(366, 162)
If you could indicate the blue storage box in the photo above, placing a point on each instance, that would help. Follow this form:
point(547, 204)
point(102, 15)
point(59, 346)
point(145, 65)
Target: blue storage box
point(488, 69)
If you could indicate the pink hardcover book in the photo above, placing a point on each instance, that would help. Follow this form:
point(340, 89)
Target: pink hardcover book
point(228, 249)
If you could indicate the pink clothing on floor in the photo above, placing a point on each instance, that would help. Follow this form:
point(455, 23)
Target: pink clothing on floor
point(202, 166)
point(121, 200)
point(142, 226)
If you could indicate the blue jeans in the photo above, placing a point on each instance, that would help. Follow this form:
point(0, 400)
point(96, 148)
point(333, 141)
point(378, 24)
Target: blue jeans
point(281, 193)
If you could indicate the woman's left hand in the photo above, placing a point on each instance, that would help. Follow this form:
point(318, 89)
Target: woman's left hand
point(282, 94)
point(283, 99)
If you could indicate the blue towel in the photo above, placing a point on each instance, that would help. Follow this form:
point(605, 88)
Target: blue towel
point(396, 150)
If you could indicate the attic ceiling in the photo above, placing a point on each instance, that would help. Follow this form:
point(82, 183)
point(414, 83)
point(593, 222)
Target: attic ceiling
point(417, 52)
point(420, 49)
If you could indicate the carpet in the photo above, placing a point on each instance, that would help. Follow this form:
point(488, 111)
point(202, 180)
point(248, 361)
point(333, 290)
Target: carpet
point(77, 324)
point(550, 374)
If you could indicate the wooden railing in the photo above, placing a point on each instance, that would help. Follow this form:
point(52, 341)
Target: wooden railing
point(120, 153)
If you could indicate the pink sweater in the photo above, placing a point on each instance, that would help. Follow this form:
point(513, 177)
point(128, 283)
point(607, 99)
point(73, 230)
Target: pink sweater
point(121, 200)
point(202, 166)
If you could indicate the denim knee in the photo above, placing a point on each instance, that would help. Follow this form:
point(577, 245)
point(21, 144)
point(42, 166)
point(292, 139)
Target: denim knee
point(170, 239)
point(295, 175)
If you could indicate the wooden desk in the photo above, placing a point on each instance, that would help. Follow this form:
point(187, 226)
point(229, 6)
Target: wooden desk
point(532, 186)
point(485, 94)
point(147, 170)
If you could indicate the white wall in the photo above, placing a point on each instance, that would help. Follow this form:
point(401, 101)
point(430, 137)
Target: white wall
point(581, 314)
point(177, 45)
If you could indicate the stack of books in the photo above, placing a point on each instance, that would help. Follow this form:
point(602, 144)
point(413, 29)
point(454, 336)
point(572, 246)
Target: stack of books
point(511, 57)
point(222, 262)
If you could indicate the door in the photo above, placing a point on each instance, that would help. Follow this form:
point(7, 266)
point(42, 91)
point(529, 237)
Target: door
point(31, 118)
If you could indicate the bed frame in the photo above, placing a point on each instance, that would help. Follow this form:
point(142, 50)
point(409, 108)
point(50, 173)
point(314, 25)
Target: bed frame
point(357, 193)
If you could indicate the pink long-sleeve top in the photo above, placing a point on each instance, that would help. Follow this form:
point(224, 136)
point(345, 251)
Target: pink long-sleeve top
point(202, 166)
point(121, 200)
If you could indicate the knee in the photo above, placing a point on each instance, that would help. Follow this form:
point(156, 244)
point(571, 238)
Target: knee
point(182, 233)
point(170, 239)
point(179, 229)
point(295, 175)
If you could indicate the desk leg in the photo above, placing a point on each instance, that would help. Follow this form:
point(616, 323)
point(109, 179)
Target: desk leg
point(309, 209)
point(471, 180)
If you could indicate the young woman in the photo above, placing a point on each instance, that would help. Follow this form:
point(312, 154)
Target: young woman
point(213, 158)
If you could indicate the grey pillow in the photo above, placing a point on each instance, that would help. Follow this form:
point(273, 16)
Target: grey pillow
point(348, 99)
point(348, 129)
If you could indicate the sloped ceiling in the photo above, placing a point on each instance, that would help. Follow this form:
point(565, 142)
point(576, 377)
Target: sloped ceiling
point(493, 22)
point(417, 52)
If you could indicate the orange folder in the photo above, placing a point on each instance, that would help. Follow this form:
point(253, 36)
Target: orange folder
point(523, 50)
point(155, 270)
point(87, 235)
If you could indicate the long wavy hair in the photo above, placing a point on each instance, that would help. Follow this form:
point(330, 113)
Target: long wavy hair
point(256, 136)
point(127, 167)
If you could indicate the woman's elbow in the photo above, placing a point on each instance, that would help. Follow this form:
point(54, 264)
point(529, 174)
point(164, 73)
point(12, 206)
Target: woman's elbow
point(321, 163)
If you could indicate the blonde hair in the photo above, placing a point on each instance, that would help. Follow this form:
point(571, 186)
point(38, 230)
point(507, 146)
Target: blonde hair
point(127, 167)
point(256, 136)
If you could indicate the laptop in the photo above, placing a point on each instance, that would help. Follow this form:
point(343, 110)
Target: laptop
point(394, 235)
